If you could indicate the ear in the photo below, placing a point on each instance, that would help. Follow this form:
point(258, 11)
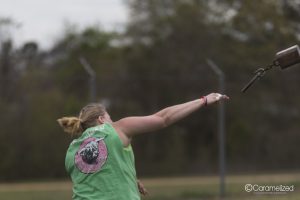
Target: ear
point(101, 119)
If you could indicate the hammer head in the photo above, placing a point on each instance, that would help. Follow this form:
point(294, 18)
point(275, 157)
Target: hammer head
point(288, 57)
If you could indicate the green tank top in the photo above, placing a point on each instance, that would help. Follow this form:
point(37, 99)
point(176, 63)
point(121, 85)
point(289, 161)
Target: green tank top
point(100, 167)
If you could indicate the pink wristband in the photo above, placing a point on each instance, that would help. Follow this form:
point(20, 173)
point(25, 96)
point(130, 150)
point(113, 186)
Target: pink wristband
point(204, 98)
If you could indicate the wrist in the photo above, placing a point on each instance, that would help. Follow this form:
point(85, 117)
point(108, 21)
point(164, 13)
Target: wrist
point(204, 100)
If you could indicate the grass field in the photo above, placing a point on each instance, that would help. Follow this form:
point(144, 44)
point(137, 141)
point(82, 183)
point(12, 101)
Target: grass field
point(179, 188)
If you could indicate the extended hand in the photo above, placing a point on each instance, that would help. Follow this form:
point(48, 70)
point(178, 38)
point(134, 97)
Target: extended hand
point(214, 97)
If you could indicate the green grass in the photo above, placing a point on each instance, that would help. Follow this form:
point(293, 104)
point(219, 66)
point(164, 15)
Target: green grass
point(192, 188)
point(36, 191)
point(180, 188)
point(35, 195)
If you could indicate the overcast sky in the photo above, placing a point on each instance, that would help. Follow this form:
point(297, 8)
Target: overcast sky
point(43, 20)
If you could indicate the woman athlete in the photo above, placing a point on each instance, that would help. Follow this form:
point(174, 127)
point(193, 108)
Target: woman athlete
point(101, 161)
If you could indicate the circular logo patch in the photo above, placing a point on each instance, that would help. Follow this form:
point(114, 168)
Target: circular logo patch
point(91, 156)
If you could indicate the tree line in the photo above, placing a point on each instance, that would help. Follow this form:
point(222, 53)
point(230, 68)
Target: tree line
point(159, 60)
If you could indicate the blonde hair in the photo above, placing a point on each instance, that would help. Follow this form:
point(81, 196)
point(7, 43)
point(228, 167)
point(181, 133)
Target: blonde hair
point(87, 118)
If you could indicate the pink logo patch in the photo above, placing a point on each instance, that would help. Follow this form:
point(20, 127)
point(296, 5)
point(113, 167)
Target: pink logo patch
point(91, 156)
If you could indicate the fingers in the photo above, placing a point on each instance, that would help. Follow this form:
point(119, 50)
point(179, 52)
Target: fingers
point(214, 97)
point(142, 189)
point(220, 96)
point(225, 97)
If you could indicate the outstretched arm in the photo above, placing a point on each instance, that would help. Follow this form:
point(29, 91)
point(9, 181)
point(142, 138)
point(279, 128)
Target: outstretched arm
point(131, 126)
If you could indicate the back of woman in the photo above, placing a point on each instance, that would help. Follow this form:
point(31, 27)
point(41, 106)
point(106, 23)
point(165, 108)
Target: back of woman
point(101, 161)
point(100, 167)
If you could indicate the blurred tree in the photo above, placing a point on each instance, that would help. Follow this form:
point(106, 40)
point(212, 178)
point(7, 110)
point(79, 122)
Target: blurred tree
point(170, 43)
point(159, 61)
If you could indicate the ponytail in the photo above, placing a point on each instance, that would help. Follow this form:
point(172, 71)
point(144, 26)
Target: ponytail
point(87, 118)
point(71, 125)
